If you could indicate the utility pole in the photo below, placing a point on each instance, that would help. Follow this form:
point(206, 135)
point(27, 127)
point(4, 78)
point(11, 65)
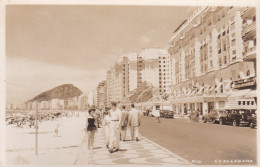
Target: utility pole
point(36, 129)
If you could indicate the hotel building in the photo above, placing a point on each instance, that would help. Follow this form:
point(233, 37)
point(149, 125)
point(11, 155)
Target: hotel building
point(213, 53)
point(101, 94)
point(154, 67)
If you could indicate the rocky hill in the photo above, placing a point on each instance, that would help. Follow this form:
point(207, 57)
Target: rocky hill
point(60, 92)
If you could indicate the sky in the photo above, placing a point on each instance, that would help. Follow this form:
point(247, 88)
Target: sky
point(51, 45)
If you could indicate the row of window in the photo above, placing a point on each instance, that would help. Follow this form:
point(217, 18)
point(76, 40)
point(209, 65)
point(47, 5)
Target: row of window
point(246, 103)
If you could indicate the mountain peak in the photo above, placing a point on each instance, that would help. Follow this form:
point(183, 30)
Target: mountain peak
point(63, 92)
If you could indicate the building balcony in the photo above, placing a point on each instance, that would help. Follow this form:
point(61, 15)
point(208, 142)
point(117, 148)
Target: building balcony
point(244, 83)
point(250, 54)
point(249, 30)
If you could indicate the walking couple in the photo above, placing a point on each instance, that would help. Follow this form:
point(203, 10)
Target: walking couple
point(117, 121)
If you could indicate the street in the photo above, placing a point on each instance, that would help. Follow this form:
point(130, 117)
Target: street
point(200, 143)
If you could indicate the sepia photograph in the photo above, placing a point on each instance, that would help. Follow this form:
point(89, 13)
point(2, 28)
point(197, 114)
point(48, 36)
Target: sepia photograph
point(130, 84)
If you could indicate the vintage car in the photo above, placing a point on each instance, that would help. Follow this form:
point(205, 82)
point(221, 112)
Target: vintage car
point(252, 121)
point(166, 112)
point(230, 117)
point(213, 115)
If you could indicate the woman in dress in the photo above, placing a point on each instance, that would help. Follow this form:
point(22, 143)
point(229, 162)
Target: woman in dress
point(91, 124)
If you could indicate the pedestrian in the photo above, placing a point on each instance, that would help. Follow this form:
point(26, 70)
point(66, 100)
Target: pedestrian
point(134, 122)
point(56, 130)
point(107, 121)
point(115, 115)
point(157, 114)
point(91, 123)
point(124, 121)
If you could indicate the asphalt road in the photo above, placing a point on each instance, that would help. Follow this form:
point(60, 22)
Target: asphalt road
point(201, 143)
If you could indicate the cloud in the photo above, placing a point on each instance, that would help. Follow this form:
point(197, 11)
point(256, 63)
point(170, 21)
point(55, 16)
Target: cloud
point(144, 39)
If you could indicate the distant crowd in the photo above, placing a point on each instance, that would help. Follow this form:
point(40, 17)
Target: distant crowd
point(22, 120)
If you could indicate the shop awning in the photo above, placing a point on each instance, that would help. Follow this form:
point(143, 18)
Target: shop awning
point(251, 94)
point(239, 94)
point(198, 99)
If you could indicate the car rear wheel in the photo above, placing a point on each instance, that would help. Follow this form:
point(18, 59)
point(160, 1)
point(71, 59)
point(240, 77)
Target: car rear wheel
point(222, 121)
point(214, 121)
point(235, 122)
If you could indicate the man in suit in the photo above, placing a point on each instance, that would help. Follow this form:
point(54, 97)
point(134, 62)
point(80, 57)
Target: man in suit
point(124, 121)
point(134, 122)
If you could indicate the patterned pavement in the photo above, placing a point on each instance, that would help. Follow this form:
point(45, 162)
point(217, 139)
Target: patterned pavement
point(143, 152)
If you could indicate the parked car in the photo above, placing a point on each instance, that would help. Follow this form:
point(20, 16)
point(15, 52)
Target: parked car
point(252, 121)
point(245, 113)
point(166, 112)
point(231, 117)
point(213, 115)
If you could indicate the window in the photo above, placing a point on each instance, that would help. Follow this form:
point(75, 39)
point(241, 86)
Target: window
point(254, 18)
point(252, 102)
point(244, 103)
point(233, 43)
point(248, 102)
point(239, 102)
point(220, 62)
point(248, 73)
point(225, 59)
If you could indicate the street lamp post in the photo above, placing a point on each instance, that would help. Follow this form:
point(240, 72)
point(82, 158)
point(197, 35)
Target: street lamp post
point(36, 129)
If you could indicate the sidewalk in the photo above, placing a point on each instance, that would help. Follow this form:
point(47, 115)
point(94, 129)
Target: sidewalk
point(143, 152)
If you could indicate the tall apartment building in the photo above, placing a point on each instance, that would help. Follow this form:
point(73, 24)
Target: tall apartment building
point(57, 104)
point(92, 98)
point(211, 51)
point(154, 66)
point(117, 80)
point(101, 94)
point(131, 70)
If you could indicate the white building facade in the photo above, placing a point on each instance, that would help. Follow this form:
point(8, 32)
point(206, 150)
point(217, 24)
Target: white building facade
point(210, 55)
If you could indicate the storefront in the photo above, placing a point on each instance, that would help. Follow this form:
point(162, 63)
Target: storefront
point(203, 104)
